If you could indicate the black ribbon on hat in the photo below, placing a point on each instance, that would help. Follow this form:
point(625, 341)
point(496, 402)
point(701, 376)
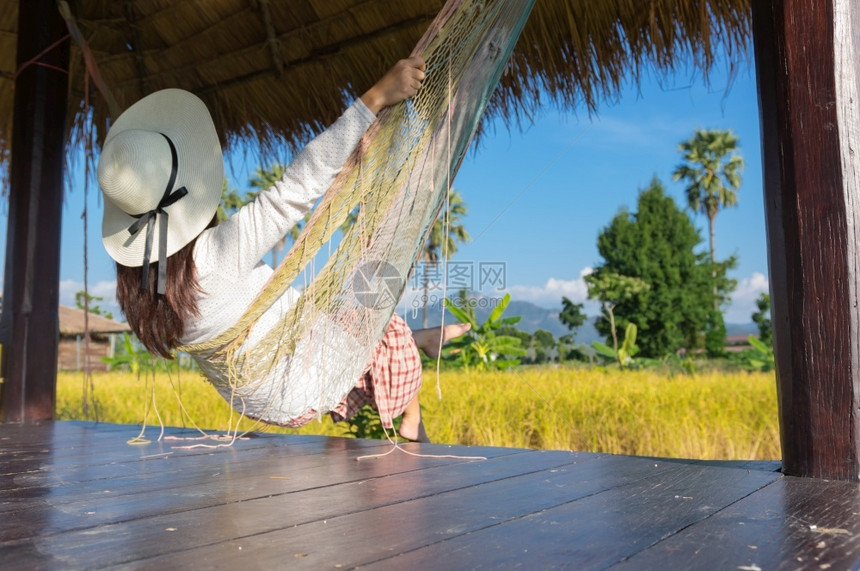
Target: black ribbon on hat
point(150, 218)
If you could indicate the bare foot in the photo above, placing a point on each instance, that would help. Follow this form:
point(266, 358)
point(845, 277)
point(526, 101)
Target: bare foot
point(411, 427)
point(428, 340)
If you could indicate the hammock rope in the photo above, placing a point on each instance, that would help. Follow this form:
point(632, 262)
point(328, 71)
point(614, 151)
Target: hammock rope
point(397, 181)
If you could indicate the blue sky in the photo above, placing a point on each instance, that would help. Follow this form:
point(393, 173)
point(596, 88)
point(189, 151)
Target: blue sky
point(537, 198)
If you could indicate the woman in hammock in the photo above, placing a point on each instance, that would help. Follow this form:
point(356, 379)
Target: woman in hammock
point(161, 165)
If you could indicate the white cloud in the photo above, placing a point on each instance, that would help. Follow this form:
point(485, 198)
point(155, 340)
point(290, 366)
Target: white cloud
point(547, 295)
point(550, 293)
point(103, 289)
point(552, 290)
point(743, 299)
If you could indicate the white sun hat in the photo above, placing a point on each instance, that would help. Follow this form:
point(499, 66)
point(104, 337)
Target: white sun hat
point(160, 165)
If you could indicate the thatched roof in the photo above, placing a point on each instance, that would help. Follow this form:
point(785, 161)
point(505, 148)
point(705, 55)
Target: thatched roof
point(72, 322)
point(288, 67)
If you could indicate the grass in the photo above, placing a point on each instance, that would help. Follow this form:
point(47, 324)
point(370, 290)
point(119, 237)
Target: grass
point(710, 416)
point(714, 415)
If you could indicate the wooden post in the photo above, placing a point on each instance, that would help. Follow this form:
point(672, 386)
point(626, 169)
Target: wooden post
point(30, 326)
point(807, 56)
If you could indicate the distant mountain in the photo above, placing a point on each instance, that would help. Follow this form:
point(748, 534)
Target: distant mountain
point(535, 317)
point(741, 329)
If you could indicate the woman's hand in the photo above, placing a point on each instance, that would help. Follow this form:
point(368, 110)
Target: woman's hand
point(401, 81)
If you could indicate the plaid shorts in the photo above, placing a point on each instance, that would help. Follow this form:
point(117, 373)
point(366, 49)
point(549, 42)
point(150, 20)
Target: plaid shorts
point(392, 379)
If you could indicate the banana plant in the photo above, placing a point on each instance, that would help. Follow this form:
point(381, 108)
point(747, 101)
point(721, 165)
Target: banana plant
point(131, 356)
point(763, 359)
point(482, 347)
point(626, 350)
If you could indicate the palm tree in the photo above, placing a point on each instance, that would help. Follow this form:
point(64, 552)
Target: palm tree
point(711, 169)
point(446, 232)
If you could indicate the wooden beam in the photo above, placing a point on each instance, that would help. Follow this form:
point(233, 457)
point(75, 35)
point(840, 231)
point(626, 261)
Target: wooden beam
point(271, 36)
point(314, 56)
point(319, 53)
point(29, 330)
point(134, 42)
point(806, 64)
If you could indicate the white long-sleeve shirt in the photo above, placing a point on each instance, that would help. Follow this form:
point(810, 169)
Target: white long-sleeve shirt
point(231, 273)
point(229, 257)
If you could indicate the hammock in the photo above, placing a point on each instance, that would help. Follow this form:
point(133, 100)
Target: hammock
point(395, 185)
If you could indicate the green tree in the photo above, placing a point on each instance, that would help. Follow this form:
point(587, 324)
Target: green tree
point(509, 330)
point(715, 334)
point(762, 320)
point(610, 289)
point(657, 244)
point(712, 172)
point(543, 343)
point(571, 315)
point(84, 302)
point(568, 349)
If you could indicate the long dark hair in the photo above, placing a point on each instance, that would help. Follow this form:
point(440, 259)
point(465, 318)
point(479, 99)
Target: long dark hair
point(159, 320)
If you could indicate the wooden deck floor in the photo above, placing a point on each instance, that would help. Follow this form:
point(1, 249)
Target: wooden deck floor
point(75, 495)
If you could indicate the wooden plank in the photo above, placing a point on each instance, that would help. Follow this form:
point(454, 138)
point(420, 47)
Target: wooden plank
point(599, 530)
point(29, 329)
point(91, 460)
point(169, 476)
point(65, 437)
point(377, 528)
point(758, 465)
point(812, 215)
point(101, 472)
point(795, 523)
point(151, 472)
point(304, 501)
point(192, 480)
point(96, 447)
point(115, 459)
point(107, 449)
point(328, 492)
point(16, 437)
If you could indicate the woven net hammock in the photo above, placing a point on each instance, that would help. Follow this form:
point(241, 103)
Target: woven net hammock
point(394, 185)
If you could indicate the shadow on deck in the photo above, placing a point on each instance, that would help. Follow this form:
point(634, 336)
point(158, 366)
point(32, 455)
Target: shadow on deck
point(76, 495)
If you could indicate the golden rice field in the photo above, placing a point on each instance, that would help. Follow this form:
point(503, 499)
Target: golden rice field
point(707, 415)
